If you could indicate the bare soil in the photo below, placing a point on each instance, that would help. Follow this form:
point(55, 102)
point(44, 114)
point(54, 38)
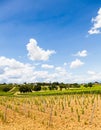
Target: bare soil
point(69, 112)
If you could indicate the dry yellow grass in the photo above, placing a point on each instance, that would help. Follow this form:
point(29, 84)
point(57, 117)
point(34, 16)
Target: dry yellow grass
point(69, 112)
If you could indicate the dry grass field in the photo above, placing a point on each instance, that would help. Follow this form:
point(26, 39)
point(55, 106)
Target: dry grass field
point(68, 112)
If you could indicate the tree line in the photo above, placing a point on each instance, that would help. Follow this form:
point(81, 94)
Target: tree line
point(30, 87)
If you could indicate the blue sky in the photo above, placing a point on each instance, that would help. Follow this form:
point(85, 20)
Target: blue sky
point(50, 41)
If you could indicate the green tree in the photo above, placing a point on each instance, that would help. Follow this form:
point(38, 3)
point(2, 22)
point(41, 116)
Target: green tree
point(85, 85)
point(6, 88)
point(76, 85)
point(25, 88)
point(90, 84)
point(37, 87)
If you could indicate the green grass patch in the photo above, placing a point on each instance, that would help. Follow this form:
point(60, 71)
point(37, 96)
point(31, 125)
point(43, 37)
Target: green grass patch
point(92, 90)
point(6, 93)
point(96, 89)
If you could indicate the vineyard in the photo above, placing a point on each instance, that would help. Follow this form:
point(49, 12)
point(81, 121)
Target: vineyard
point(58, 112)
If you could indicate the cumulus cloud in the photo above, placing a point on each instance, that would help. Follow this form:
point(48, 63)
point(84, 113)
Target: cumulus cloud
point(37, 53)
point(81, 53)
point(61, 70)
point(46, 66)
point(12, 63)
point(75, 64)
point(60, 75)
point(14, 71)
point(96, 29)
point(94, 76)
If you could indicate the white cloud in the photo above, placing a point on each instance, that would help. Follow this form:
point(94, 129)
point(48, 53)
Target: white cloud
point(81, 53)
point(75, 64)
point(60, 74)
point(15, 71)
point(40, 75)
point(37, 53)
point(93, 31)
point(91, 72)
point(65, 64)
point(96, 24)
point(46, 66)
point(61, 70)
point(94, 76)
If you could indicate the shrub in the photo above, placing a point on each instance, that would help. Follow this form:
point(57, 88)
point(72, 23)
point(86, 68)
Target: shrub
point(85, 85)
point(53, 87)
point(6, 88)
point(25, 88)
point(44, 88)
point(76, 85)
point(37, 87)
point(61, 86)
point(90, 84)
